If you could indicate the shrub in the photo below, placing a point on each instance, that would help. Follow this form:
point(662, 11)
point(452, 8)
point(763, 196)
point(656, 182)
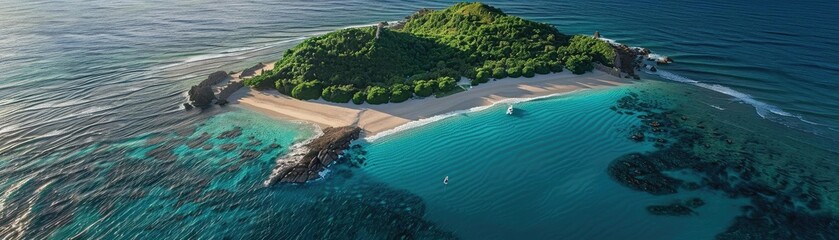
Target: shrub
point(424, 88)
point(358, 97)
point(377, 95)
point(400, 92)
point(542, 68)
point(555, 66)
point(579, 64)
point(514, 72)
point(482, 76)
point(499, 73)
point(284, 86)
point(338, 94)
point(528, 72)
point(445, 84)
point(307, 90)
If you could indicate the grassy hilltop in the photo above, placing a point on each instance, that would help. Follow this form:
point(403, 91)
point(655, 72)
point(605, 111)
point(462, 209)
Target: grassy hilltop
point(427, 54)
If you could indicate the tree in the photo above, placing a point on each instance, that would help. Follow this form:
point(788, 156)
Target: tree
point(514, 72)
point(307, 90)
point(400, 92)
point(528, 72)
point(555, 66)
point(358, 97)
point(445, 84)
point(471, 40)
point(338, 94)
point(424, 88)
point(499, 73)
point(579, 64)
point(377, 95)
point(482, 76)
point(542, 68)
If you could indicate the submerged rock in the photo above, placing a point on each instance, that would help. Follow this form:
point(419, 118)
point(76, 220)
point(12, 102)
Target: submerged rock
point(249, 154)
point(674, 209)
point(694, 202)
point(194, 143)
point(228, 147)
point(233, 133)
point(315, 156)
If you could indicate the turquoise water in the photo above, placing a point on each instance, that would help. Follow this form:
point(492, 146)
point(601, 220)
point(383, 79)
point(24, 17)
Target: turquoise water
point(94, 144)
point(540, 173)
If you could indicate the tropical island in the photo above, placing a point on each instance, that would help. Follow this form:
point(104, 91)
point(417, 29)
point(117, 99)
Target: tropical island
point(426, 54)
point(444, 61)
point(432, 63)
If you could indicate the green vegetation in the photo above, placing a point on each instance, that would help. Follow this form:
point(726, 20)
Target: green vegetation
point(424, 88)
point(377, 95)
point(579, 64)
point(426, 55)
point(307, 90)
point(400, 92)
point(338, 94)
point(358, 97)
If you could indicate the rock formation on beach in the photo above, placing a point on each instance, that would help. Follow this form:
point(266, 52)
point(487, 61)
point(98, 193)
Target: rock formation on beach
point(306, 162)
point(252, 70)
point(214, 78)
point(202, 95)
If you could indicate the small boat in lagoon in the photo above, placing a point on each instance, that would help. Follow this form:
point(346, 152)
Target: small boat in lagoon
point(510, 110)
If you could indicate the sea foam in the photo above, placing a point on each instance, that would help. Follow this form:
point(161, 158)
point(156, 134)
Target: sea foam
point(761, 108)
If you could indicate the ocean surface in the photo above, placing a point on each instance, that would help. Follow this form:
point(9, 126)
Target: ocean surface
point(94, 142)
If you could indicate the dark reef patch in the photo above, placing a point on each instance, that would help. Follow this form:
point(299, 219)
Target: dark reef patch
point(233, 133)
point(787, 202)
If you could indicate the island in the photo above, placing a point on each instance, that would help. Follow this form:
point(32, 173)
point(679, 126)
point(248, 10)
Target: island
point(426, 53)
point(380, 79)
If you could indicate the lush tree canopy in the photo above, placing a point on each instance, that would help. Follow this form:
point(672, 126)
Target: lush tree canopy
point(428, 53)
point(424, 88)
point(400, 92)
point(307, 90)
point(338, 93)
point(359, 97)
point(579, 64)
point(377, 95)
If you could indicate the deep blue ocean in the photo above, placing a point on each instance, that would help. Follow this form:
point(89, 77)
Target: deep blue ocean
point(94, 142)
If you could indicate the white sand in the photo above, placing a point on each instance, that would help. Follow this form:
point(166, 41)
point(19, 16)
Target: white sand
point(377, 118)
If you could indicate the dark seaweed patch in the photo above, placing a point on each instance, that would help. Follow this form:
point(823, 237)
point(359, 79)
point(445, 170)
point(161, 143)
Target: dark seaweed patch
point(784, 204)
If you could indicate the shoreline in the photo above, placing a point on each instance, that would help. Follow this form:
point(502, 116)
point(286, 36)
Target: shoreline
point(386, 118)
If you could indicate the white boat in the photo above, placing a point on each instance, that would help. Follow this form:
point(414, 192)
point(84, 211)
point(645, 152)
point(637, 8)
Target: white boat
point(510, 110)
point(446, 180)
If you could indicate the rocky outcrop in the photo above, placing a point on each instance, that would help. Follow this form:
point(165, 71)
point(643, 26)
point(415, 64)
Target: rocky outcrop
point(252, 71)
point(202, 95)
point(630, 59)
point(625, 58)
point(228, 90)
point(307, 161)
point(214, 78)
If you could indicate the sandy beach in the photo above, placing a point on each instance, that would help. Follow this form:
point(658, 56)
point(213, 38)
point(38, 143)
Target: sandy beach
point(374, 119)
